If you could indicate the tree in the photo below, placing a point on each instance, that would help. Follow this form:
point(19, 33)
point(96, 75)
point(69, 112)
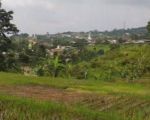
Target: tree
point(6, 29)
point(80, 44)
point(148, 27)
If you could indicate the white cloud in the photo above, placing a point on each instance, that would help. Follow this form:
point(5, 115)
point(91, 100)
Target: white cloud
point(29, 3)
point(40, 16)
point(18, 3)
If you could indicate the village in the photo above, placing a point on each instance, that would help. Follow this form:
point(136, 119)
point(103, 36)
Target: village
point(74, 38)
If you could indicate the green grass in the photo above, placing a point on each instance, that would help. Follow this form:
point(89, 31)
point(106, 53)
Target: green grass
point(77, 85)
point(12, 108)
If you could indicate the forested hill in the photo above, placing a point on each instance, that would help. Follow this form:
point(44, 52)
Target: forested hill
point(135, 33)
point(139, 32)
point(120, 32)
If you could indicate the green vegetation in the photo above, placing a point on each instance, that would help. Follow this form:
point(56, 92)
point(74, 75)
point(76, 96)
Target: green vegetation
point(100, 62)
point(111, 62)
point(86, 85)
point(7, 61)
point(18, 108)
point(103, 100)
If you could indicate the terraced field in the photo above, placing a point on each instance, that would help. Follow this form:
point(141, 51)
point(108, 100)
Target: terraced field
point(32, 98)
point(127, 107)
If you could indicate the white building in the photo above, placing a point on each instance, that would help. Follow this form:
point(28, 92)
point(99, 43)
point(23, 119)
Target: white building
point(89, 37)
point(113, 41)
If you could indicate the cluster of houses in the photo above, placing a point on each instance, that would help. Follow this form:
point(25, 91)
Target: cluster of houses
point(91, 41)
point(142, 41)
point(59, 49)
point(126, 39)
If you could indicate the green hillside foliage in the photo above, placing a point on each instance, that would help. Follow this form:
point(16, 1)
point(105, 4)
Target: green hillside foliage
point(128, 62)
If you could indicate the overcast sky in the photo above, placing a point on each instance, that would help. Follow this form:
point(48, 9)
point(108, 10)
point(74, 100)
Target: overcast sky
point(41, 16)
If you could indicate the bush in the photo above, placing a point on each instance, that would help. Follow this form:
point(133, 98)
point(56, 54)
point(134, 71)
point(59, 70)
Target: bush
point(80, 71)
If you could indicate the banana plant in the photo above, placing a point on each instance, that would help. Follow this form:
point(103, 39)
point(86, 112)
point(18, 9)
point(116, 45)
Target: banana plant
point(54, 66)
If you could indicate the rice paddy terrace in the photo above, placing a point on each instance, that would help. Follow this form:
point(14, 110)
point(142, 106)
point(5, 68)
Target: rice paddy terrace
point(33, 98)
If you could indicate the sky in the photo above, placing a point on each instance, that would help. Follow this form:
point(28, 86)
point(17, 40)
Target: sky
point(53, 16)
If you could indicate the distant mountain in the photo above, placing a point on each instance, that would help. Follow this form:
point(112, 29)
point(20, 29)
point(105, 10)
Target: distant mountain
point(134, 31)
point(141, 31)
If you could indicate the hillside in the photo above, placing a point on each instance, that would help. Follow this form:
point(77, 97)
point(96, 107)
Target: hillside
point(114, 62)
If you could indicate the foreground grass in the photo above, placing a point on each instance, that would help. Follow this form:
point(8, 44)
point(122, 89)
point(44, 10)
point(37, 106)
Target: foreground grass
point(134, 105)
point(141, 90)
point(13, 108)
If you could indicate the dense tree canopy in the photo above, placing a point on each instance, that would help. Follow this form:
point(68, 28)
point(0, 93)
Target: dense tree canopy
point(7, 59)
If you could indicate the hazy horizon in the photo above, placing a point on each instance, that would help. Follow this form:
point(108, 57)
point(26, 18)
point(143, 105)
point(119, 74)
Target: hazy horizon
point(56, 16)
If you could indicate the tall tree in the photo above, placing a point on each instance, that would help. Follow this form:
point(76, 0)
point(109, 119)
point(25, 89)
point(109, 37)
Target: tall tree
point(6, 29)
point(148, 27)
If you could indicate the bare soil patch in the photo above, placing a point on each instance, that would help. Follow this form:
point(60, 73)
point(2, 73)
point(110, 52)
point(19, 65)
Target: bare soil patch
point(94, 101)
point(43, 93)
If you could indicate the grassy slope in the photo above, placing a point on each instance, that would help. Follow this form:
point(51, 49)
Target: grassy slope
point(130, 60)
point(22, 108)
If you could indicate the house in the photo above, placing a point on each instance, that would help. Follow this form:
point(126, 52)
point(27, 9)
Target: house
point(141, 41)
point(90, 40)
point(49, 53)
point(138, 42)
point(58, 50)
point(113, 41)
point(147, 41)
point(31, 42)
point(66, 35)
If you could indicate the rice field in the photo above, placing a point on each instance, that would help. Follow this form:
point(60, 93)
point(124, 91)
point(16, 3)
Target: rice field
point(34, 98)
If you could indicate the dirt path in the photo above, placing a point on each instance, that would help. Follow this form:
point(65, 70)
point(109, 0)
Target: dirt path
point(60, 95)
point(95, 101)
point(43, 93)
